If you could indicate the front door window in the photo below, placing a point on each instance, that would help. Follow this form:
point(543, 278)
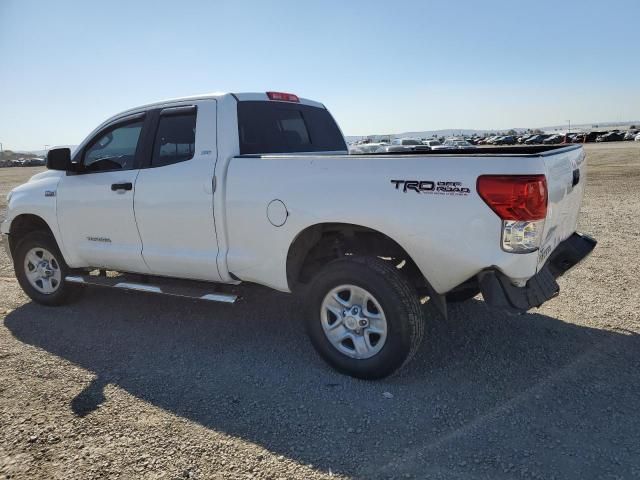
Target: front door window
point(114, 149)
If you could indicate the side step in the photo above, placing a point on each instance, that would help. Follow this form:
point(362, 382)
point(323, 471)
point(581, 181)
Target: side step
point(175, 287)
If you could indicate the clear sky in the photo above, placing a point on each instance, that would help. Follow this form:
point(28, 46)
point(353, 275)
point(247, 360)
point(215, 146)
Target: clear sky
point(379, 66)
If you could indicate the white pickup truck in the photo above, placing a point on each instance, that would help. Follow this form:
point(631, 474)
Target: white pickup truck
point(189, 196)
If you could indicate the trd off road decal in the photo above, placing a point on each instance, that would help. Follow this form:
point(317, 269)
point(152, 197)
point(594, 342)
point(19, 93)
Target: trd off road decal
point(431, 187)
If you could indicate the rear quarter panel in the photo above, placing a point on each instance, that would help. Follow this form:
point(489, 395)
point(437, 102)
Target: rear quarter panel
point(451, 237)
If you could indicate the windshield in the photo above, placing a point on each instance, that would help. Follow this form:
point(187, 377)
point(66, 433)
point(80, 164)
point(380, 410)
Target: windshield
point(410, 142)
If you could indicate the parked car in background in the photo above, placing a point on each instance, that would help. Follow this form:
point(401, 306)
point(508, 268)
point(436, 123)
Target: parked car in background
point(637, 139)
point(618, 137)
point(536, 139)
point(553, 140)
point(367, 148)
point(630, 135)
point(610, 137)
point(592, 136)
point(399, 145)
point(35, 162)
point(26, 162)
point(488, 140)
point(434, 144)
point(457, 143)
point(506, 140)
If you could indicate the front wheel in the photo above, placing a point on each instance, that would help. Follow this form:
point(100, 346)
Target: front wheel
point(366, 319)
point(41, 270)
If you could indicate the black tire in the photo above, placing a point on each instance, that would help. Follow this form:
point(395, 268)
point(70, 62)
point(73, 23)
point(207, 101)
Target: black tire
point(399, 301)
point(64, 292)
point(462, 295)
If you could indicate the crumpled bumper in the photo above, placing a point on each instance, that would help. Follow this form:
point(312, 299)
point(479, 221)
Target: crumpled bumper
point(498, 291)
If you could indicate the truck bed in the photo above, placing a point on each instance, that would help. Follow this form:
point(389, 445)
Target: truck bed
point(506, 150)
point(516, 150)
point(451, 236)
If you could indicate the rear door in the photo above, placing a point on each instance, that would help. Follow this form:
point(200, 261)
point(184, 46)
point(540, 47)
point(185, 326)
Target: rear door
point(566, 179)
point(174, 193)
point(95, 203)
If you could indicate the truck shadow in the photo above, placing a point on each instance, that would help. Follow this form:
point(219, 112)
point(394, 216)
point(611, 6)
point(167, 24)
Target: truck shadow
point(488, 394)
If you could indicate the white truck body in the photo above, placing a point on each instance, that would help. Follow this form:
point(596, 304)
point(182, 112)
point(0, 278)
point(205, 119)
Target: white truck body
point(193, 232)
point(227, 217)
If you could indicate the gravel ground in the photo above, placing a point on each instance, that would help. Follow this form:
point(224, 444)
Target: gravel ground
point(124, 385)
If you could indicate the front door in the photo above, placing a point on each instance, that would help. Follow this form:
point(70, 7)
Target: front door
point(95, 203)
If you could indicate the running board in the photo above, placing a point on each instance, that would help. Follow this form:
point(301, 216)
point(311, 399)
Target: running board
point(164, 286)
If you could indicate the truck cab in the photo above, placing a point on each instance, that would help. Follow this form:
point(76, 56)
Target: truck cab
point(160, 155)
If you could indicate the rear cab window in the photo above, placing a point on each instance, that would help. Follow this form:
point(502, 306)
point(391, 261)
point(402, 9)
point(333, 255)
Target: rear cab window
point(280, 127)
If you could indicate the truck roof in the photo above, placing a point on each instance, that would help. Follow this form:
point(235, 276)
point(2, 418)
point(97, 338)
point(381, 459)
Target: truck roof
point(240, 97)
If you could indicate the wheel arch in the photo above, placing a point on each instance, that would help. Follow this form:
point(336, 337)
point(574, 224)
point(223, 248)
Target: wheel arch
point(320, 243)
point(24, 224)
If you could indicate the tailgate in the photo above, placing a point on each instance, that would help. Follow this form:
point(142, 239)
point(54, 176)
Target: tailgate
point(566, 179)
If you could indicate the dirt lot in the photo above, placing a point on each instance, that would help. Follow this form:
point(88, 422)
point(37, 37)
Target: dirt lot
point(135, 386)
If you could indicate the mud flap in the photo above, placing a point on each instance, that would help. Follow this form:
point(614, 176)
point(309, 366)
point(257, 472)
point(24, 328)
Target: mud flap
point(570, 252)
point(498, 291)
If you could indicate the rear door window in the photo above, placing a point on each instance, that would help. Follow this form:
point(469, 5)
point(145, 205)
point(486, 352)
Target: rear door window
point(175, 138)
point(279, 127)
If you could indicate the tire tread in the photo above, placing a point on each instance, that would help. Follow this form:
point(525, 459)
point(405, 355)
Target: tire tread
point(401, 291)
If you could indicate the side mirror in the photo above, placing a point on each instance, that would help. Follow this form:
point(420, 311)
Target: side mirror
point(59, 159)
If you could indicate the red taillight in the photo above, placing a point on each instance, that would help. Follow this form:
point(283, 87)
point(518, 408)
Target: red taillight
point(283, 97)
point(515, 197)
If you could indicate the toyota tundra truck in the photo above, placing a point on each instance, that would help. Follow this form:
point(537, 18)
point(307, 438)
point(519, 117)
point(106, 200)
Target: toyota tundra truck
point(192, 196)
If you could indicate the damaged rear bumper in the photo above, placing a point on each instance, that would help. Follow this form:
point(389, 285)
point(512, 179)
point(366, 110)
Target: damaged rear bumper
point(498, 291)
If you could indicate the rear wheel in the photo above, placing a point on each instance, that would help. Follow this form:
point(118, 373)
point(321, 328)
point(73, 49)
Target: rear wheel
point(41, 270)
point(366, 319)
